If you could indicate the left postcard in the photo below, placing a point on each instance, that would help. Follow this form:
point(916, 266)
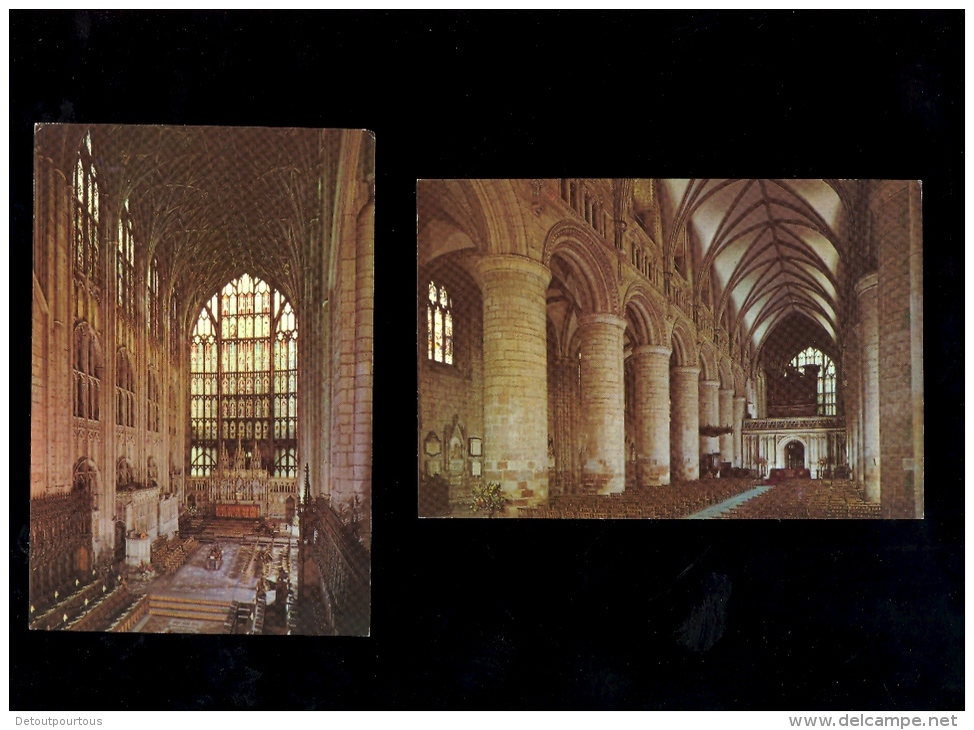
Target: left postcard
point(201, 380)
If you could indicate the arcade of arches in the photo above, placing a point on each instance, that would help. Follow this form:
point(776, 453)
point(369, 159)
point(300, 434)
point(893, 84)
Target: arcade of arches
point(201, 379)
point(654, 337)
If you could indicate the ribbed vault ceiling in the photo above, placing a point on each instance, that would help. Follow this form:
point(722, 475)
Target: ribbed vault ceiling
point(771, 243)
point(213, 202)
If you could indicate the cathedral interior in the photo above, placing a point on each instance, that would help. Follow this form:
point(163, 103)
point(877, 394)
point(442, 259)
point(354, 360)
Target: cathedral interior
point(201, 385)
point(702, 348)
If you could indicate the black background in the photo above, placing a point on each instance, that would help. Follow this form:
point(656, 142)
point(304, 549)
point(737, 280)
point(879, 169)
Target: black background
point(506, 614)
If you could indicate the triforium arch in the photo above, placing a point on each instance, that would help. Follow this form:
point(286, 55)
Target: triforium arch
point(645, 314)
point(585, 263)
point(683, 343)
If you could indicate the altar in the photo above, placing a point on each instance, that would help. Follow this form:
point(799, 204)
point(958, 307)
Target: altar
point(251, 511)
point(237, 488)
point(241, 487)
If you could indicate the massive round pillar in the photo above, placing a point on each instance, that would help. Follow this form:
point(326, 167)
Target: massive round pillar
point(652, 402)
point(867, 292)
point(515, 377)
point(740, 403)
point(725, 408)
point(684, 423)
point(603, 403)
point(709, 415)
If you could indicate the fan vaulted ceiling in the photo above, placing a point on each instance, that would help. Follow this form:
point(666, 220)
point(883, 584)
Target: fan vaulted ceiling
point(771, 243)
point(214, 202)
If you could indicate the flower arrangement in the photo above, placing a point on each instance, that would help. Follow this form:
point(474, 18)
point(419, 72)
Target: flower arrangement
point(145, 570)
point(489, 498)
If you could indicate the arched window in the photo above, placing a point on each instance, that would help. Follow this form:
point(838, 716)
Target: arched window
point(152, 410)
point(86, 238)
point(85, 475)
point(439, 325)
point(285, 462)
point(826, 377)
point(87, 374)
point(124, 391)
point(152, 309)
point(202, 459)
point(125, 263)
point(174, 333)
point(243, 372)
point(124, 473)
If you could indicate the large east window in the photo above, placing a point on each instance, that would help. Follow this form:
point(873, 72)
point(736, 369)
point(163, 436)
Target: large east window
point(244, 377)
point(825, 404)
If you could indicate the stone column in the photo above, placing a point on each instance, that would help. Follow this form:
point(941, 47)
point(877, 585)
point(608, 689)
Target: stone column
point(866, 291)
point(740, 402)
point(564, 402)
point(709, 415)
point(652, 368)
point(725, 407)
point(685, 423)
point(603, 403)
point(515, 376)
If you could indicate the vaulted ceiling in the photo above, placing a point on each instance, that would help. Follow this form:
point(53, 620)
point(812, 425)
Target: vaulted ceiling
point(214, 202)
point(772, 244)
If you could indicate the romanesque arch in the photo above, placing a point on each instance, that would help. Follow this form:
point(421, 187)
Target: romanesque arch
point(572, 253)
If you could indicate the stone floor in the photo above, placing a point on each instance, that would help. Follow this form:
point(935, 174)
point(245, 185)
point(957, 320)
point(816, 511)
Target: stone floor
point(235, 580)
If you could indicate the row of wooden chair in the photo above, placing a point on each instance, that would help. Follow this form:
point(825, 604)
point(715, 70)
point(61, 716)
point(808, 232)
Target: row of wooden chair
point(169, 555)
point(672, 501)
point(105, 612)
point(808, 499)
point(72, 606)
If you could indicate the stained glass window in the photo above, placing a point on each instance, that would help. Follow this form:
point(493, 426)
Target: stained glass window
point(439, 325)
point(152, 311)
point(243, 365)
point(86, 215)
point(125, 263)
point(202, 459)
point(826, 403)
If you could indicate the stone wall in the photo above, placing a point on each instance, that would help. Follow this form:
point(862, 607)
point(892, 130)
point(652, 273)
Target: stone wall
point(895, 222)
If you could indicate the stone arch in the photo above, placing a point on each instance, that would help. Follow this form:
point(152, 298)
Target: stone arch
point(152, 472)
point(506, 233)
point(583, 255)
point(124, 473)
point(440, 238)
point(708, 363)
point(683, 344)
point(782, 444)
point(645, 315)
point(726, 372)
point(740, 382)
point(86, 478)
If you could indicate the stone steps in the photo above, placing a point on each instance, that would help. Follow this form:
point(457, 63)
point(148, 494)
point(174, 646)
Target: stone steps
point(189, 608)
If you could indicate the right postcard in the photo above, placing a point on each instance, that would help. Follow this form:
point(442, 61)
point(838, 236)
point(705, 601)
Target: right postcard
point(670, 348)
